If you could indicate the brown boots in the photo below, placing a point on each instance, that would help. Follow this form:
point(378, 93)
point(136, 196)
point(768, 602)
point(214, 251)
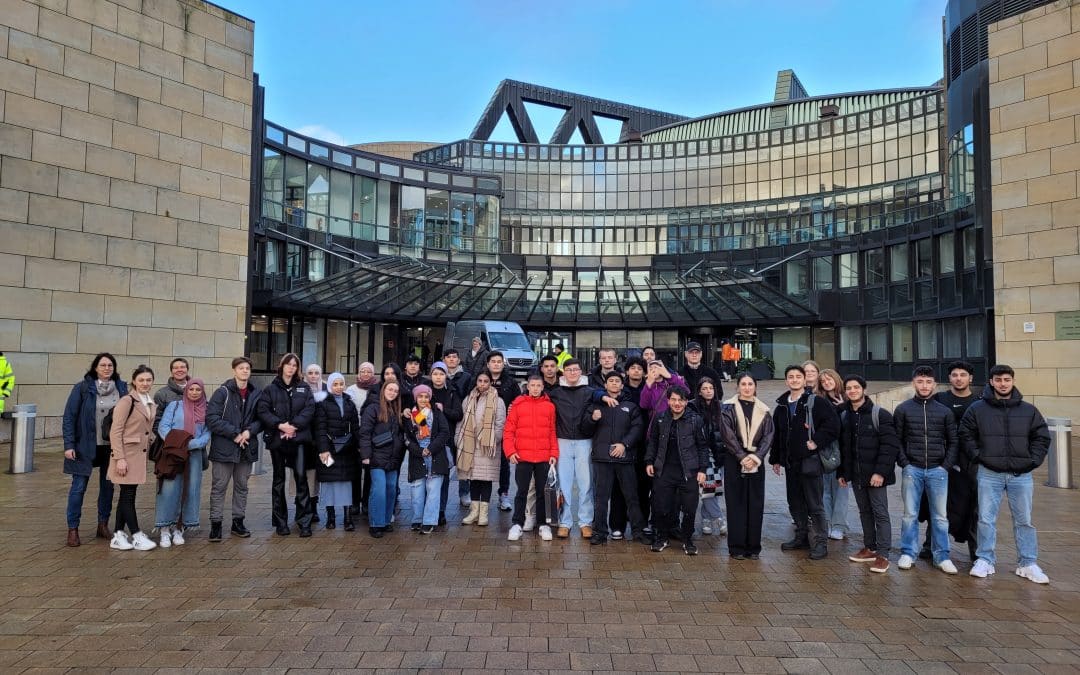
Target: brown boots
point(103, 531)
point(73, 537)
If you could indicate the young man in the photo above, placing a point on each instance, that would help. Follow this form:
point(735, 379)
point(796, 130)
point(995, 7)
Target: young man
point(570, 398)
point(635, 378)
point(676, 458)
point(928, 449)
point(173, 389)
point(549, 370)
point(694, 370)
point(412, 377)
point(868, 449)
point(460, 378)
point(508, 389)
point(1006, 439)
point(796, 450)
point(7, 381)
point(616, 434)
point(561, 355)
point(598, 375)
point(445, 397)
point(234, 445)
point(529, 444)
point(635, 382)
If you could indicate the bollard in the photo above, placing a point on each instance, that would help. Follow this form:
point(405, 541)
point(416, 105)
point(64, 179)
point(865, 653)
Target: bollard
point(22, 438)
point(1059, 460)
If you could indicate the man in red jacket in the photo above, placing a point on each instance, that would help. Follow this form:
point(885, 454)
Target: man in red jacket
point(530, 444)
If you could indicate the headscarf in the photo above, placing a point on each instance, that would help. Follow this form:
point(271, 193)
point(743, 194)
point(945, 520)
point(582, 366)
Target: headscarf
point(369, 381)
point(340, 398)
point(194, 411)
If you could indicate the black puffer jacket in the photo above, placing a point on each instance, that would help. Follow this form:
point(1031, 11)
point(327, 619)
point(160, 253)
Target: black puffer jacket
point(1005, 435)
point(712, 424)
point(864, 450)
point(927, 434)
point(569, 402)
point(228, 414)
point(329, 424)
point(440, 438)
point(387, 458)
point(507, 388)
point(692, 443)
point(451, 406)
point(597, 379)
point(293, 403)
point(789, 447)
point(622, 423)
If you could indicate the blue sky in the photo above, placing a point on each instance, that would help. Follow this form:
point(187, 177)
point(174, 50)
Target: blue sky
point(360, 71)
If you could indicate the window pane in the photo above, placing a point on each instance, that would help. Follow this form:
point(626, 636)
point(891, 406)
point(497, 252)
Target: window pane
point(849, 270)
point(273, 183)
point(412, 215)
point(875, 266)
point(823, 273)
point(928, 339)
point(947, 253)
point(924, 265)
point(295, 171)
point(795, 273)
point(976, 340)
point(318, 196)
point(341, 201)
point(952, 338)
point(436, 212)
point(462, 221)
point(898, 262)
point(363, 199)
point(969, 247)
point(316, 264)
point(901, 343)
point(877, 343)
point(850, 343)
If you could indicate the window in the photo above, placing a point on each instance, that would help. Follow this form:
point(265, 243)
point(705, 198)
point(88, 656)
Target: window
point(363, 199)
point(849, 270)
point(318, 196)
point(795, 273)
point(901, 343)
point(850, 343)
point(295, 181)
point(877, 343)
point(969, 247)
point(952, 338)
point(928, 339)
point(898, 262)
point(875, 266)
point(823, 279)
point(412, 216)
point(436, 213)
point(316, 264)
point(271, 264)
point(341, 203)
point(976, 340)
point(273, 183)
point(924, 264)
point(947, 253)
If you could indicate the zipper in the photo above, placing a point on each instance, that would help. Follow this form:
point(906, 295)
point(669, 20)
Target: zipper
point(926, 437)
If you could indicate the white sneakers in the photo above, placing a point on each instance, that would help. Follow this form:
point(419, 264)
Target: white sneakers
point(141, 542)
point(721, 527)
point(545, 533)
point(947, 566)
point(983, 569)
point(1032, 572)
point(177, 537)
point(836, 533)
point(465, 500)
point(706, 526)
point(120, 541)
point(515, 533)
point(504, 503)
point(905, 562)
point(165, 541)
point(530, 522)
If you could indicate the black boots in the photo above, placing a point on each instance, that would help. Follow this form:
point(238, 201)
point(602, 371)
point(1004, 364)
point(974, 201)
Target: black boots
point(819, 552)
point(315, 511)
point(795, 544)
point(349, 525)
point(331, 517)
point(215, 530)
point(238, 528)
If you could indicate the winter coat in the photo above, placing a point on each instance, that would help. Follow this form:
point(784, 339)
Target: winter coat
point(475, 364)
point(927, 433)
point(129, 438)
point(762, 442)
point(389, 457)
point(360, 397)
point(530, 429)
point(282, 403)
point(693, 377)
point(172, 391)
point(451, 406)
point(228, 414)
point(173, 418)
point(622, 423)
point(865, 450)
point(792, 433)
point(654, 396)
point(330, 423)
point(1005, 435)
point(712, 428)
point(597, 378)
point(485, 467)
point(569, 402)
point(440, 440)
point(80, 425)
point(462, 381)
point(692, 443)
point(507, 388)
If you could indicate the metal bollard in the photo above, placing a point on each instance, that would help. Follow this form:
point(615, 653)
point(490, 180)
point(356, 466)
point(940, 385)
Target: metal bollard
point(1059, 460)
point(22, 438)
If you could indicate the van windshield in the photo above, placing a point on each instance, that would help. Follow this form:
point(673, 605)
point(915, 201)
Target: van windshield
point(505, 341)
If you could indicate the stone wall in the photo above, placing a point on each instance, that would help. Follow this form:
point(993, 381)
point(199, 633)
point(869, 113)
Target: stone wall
point(125, 141)
point(1035, 154)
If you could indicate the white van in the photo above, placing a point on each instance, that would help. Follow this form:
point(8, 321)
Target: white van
point(503, 336)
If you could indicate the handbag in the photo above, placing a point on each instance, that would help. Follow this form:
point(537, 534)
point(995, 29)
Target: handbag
point(383, 439)
point(340, 442)
point(828, 455)
point(553, 497)
point(714, 481)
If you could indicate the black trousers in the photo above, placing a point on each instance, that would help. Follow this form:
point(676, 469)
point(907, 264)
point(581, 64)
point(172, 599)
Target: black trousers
point(806, 500)
point(744, 495)
point(282, 460)
point(524, 474)
point(504, 476)
point(673, 493)
point(619, 509)
point(125, 510)
point(606, 477)
point(874, 514)
point(361, 488)
point(480, 490)
point(644, 492)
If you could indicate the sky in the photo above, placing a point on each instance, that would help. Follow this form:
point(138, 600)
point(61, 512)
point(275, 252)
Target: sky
point(357, 71)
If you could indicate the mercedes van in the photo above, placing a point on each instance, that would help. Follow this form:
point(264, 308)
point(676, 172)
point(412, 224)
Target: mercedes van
point(503, 336)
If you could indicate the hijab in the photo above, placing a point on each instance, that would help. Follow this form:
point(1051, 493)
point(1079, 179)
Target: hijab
point(194, 411)
point(339, 398)
point(366, 382)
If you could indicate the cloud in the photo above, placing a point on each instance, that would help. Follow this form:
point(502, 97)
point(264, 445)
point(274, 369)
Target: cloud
point(322, 133)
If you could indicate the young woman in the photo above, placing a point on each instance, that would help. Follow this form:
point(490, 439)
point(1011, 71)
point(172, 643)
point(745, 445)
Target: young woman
point(746, 428)
point(85, 448)
point(184, 490)
point(479, 446)
point(830, 386)
point(313, 375)
point(336, 435)
point(130, 436)
point(365, 390)
point(707, 405)
point(813, 372)
point(427, 438)
point(382, 448)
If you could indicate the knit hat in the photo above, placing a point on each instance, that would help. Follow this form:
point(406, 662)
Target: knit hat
point(421, 389)
point(441, 366)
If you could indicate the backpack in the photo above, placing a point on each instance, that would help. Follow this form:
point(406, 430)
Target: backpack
point(875, 416)
point(106, 422)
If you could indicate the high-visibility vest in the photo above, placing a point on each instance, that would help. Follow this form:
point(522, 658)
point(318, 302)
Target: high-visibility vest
point(7, 380)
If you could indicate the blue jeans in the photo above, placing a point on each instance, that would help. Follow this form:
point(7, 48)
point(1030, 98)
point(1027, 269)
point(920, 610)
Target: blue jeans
point(78, 491)
point(1019, 490)
point(425, 499)
point(575, 469)
point(836, 502)
point(936, 484)
point(383, 497)
point(167, 504)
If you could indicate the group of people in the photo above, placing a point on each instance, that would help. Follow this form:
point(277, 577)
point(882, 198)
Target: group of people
point(619, 453)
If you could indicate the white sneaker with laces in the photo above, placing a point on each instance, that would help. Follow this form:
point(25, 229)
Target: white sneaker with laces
point(836, 533)
point(120, 541)
point(515, 533)
point(905, 562)
point(530, 523)
point(504, 503)
point(545, 533)
point(947, 566)
point(617, 535)
point(982, 569)
point(1032, 572)
point(178, 537)
point(141, 542)
point(706, 526)
point(721, 528)
point(166, 538)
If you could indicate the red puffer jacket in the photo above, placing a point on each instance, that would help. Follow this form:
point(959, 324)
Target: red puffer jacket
point(530, 429)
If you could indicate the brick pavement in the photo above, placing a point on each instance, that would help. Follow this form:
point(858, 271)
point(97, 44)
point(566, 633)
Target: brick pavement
point(466, 600)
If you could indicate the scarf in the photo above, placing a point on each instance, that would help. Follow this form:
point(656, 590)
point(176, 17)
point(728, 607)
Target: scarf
point(421, 418)
point(748, 429)
point(107, 398)
point(366, 382)
point(194, 411)
point(473, 438)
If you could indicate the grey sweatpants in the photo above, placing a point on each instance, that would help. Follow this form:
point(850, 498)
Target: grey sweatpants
point(223, 472)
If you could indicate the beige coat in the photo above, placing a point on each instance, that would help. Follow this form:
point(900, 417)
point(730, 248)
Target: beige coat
point(129, 438)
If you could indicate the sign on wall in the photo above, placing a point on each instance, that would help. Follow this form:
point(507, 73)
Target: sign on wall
point(1067, 326)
